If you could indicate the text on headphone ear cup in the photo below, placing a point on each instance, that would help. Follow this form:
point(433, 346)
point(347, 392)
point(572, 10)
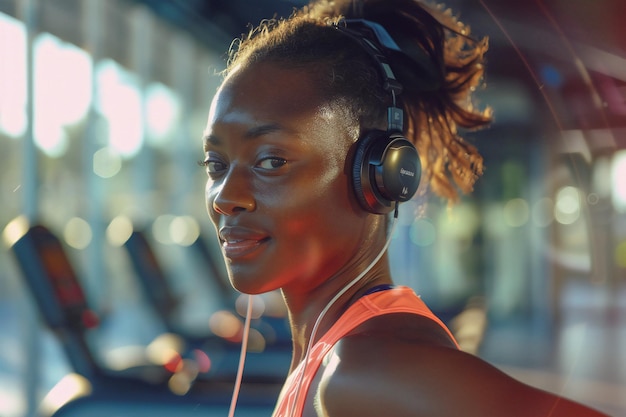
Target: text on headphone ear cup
point(386, 169)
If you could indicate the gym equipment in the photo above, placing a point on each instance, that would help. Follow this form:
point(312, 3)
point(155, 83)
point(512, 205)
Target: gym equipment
point(149, 390)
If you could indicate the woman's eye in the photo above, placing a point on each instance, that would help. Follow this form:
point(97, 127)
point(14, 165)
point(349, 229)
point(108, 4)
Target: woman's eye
point(271, 163)
point(213, 166)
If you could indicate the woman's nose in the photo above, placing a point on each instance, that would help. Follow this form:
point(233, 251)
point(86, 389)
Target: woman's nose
point(235, 193)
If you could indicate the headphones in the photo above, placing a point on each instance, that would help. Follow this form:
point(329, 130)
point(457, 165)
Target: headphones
point(386, 168)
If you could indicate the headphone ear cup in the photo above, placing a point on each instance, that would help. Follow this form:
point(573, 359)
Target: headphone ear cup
point(361, 183)
point(386, 168)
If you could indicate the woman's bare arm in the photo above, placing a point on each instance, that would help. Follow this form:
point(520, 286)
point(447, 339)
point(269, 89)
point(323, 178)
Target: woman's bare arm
point(383, 376)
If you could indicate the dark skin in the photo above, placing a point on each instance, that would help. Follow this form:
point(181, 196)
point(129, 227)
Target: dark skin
point(279, 195)
point(278, 185)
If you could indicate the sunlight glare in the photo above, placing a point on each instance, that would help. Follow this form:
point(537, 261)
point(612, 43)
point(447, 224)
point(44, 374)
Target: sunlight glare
point(119, 101)
point(12, 76)
point(618, 179)
point(62, 83)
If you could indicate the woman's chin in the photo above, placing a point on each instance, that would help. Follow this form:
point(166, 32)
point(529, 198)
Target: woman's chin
point(249, 286)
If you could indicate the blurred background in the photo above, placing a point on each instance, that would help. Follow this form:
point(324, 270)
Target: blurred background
point(102, 108)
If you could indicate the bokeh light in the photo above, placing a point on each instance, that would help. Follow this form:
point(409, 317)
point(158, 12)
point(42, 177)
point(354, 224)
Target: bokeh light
point(106, 162)
point(226, 325)
point(162, 112)
point(256, 341)
point(119, 101)
point(516, 212)
point(258, 305)
point(184, 230)
point(180, 383)
point(77, 233)
point(13, 120)
point(618, 180)
point(161, 228)
point(203, 360)
point(119, 230)
point(169, 229)
point(71, 387)
point(14, 230)
point(165, 349)
point(567, 207)
point(62, 82)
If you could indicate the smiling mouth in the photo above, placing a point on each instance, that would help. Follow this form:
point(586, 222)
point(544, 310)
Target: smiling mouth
point(237, 248)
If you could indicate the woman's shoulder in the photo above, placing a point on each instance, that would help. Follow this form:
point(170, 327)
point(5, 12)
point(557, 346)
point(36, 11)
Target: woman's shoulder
point(397, 313)
point(381, 372)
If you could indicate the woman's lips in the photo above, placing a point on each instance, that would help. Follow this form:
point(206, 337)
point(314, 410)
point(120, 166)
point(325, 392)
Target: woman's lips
point(238, 248)
point(238, 242)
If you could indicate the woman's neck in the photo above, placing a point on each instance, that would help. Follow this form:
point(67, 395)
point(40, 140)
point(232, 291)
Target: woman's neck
point(306, 307)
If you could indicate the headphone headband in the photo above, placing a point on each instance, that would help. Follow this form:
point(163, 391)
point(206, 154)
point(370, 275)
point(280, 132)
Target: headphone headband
point(375, 39)
point(420, 68)
point(386, 169)
point(366, 33)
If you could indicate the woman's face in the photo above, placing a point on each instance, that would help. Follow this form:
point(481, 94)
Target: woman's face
point(278, 191)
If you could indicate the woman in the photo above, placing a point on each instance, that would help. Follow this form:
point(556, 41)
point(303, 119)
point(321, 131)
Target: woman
point(308, 147)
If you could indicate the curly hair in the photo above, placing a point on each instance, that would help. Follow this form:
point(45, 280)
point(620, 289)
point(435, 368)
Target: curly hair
point(346, 75)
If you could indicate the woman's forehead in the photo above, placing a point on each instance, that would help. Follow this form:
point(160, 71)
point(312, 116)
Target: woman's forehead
point(284, 101)
point(268, 91)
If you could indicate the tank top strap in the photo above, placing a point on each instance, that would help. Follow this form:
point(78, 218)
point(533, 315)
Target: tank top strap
point(399, 299)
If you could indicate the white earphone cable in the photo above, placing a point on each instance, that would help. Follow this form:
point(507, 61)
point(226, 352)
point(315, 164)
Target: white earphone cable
point(242, 358)
point(330, 304)
point(246, 328)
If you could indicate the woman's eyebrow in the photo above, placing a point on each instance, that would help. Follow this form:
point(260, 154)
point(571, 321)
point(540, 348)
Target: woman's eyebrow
point(252, 133)
point(261, 130)
point(210, 139)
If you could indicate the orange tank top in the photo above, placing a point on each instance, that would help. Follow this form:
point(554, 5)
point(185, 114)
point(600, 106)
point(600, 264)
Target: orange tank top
point(397, 300)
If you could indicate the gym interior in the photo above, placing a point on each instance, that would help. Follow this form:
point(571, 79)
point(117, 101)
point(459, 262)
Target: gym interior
point(113, 296)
